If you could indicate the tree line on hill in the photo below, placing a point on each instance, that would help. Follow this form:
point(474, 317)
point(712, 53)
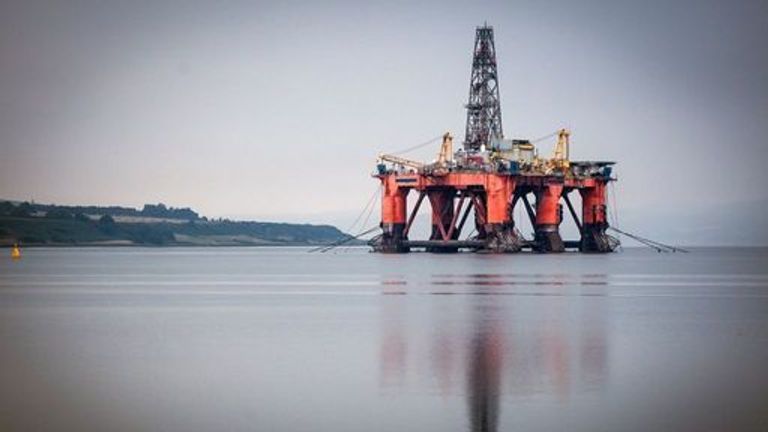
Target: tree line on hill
point(27, 209)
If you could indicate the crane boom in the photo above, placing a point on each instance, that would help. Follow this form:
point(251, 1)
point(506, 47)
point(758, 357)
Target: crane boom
point(400, 161)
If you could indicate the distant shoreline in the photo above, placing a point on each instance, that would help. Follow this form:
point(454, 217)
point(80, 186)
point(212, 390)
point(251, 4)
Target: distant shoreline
point(32, 224)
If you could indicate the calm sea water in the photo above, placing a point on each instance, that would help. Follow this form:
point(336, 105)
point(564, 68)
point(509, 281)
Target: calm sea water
point(278, 339)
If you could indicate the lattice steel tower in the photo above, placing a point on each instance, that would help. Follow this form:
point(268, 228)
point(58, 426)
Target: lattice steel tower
point(483, 108)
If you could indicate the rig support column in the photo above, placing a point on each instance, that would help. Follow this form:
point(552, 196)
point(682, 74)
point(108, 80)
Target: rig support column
point(594, 220)
point(394, 206)
point(548, 217)
point(500, 227)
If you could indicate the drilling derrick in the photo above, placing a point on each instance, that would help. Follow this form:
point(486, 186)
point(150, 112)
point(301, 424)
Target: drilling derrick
point(484, 107)
point(486, 178)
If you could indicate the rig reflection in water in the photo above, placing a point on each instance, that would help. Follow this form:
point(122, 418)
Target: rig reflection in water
point(495, 347)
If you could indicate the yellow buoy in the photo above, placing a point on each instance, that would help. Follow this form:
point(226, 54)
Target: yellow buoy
point(15, 252)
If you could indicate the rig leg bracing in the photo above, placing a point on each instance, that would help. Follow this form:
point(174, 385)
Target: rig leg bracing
point(450, 199)
point(443, 219)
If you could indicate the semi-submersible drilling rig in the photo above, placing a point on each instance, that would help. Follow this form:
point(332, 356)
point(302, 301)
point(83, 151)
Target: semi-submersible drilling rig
point(488, 177)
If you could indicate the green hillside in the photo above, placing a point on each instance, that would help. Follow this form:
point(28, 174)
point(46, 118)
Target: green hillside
point(45, 224)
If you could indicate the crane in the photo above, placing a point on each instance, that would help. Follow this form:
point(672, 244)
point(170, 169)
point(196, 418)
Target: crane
point(440, 166)
point(560, 158)
point(446, 151)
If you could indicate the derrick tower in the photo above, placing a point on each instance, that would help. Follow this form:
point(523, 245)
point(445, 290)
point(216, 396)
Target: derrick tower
point(483, 107)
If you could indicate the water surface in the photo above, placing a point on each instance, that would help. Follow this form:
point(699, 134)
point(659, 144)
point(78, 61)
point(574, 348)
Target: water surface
point(277, 339)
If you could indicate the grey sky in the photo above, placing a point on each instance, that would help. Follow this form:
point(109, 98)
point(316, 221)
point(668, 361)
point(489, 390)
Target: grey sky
point(276, 110)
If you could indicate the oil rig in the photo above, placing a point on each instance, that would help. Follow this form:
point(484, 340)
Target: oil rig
point(488, 176)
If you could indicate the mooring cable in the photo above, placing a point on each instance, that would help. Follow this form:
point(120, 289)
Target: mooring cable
point(337, 243)
point(368, 205)
point(417, 146)
point(544, 137)
point(613, 209)
point(659, 247)
point(640, 240)
point(365, 209)
point(370, 211)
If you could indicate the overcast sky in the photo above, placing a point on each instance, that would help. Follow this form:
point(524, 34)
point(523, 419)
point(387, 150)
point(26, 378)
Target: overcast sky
point(276, 110)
